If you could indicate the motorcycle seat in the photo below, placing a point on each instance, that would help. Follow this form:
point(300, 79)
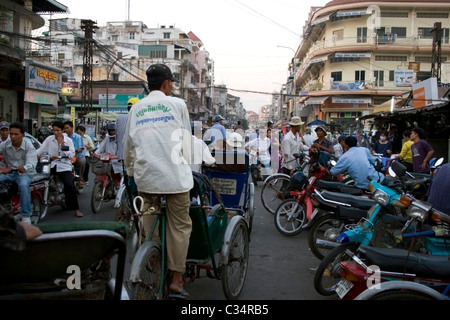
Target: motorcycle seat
point(38, 177)
point(400, 260)
point(339, 186)
point(361, 202)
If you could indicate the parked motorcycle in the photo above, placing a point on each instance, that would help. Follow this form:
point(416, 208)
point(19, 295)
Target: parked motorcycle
point(10, 196)
point(375, 230)
point(292, 215)
point(105, 184)
point(370, 267)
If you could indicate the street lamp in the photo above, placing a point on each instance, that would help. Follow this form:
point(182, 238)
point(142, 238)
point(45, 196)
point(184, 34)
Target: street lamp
point(294, 86)
point(119, 56)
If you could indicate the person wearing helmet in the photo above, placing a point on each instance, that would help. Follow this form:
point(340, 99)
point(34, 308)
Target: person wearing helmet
point(109, 145)
point(121, 124)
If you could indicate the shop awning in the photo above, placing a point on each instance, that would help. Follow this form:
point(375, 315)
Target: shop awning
point(351, 13)
point(48, 115)
point(110, 116)
point(353, 54)
point(316, 100)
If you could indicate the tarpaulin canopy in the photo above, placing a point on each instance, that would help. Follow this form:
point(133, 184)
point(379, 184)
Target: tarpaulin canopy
point(110, 116)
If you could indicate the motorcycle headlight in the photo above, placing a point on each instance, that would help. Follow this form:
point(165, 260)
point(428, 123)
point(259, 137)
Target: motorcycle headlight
point(381, 197)
point(417, 213)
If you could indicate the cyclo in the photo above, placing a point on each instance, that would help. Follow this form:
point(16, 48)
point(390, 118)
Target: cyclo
point(221, 214)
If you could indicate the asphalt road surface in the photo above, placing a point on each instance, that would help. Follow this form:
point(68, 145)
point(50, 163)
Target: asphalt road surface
point(280, 267)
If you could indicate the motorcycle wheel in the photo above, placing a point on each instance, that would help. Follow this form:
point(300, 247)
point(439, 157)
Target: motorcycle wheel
point(36, 209)
point(327, 274)
point(274, 191)
point(290, 217)
point(96, 197)
point(327, 228)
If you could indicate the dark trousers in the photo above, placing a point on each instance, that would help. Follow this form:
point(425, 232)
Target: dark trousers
point(69, 189)
point(87, 166)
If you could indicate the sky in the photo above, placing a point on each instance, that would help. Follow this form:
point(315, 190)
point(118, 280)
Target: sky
point(250, 41)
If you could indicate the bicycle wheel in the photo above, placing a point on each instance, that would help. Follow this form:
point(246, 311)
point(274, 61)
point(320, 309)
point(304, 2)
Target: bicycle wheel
point(274, 191)
point(402, 295)
point(324, 229)
point(148, 264)
point(290, 217)
point(327, 274)
point(96, 197)
point(235, 271)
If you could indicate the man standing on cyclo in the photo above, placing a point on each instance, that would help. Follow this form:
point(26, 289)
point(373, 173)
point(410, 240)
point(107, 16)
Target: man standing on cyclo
point(158, 133)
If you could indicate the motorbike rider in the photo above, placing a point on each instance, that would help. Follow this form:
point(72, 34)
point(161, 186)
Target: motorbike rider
point(109, 145)
point(20, 155)
point(358, 162)
point(55, 146)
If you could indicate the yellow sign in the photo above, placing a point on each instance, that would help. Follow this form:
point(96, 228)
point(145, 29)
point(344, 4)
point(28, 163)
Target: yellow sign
point(70, 88)
point(72, 114)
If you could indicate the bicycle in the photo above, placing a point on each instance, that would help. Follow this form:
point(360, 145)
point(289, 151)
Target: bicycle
point(277, 187)
point(219, 244)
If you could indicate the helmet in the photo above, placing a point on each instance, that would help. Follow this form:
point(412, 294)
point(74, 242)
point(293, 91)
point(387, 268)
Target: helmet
point(132, 101)
point(111, 126)
point(298, 180)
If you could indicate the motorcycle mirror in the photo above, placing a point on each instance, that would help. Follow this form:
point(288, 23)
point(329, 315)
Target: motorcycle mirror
point(438, 162)
point(333, 162)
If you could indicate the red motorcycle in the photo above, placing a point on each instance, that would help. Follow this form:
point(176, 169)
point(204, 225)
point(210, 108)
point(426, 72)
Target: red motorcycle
point(292, 215)
point(10, 196)
point(106, 184)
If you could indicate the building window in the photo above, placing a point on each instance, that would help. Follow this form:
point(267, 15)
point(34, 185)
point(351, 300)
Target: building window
point(64, 42)
point(426, 33)
point(336, 75)
point(379, 78)
point(166, 35)
point(61, 56)
point(423, 75)
point(391, 75)
point(114, 38)
point(132, 35)
point(338, 35)
point(360, 75)
point(361, 35)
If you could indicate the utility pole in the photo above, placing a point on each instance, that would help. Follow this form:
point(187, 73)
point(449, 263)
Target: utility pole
point(436, 54)
point(86, 83)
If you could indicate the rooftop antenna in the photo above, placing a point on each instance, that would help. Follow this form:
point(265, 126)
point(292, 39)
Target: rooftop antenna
point(129, 10)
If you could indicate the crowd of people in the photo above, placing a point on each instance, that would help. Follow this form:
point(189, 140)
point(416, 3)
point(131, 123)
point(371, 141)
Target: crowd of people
point(160, 147)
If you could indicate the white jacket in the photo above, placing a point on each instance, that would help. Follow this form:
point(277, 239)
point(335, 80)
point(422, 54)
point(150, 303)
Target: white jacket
point(158, 133)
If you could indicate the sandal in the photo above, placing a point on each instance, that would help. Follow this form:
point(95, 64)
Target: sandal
point(178, 295)
point(78, 214)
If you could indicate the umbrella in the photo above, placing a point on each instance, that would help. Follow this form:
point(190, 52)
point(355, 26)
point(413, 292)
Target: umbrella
point(317, 123)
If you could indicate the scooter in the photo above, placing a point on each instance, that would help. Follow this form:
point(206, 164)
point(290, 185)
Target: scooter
point(292, 215)
point(375, 230)
point(10, 196)
point(370, 267)
point(105, 184)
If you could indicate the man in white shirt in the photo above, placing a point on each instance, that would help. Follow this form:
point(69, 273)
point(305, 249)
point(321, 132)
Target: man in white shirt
point(291, 144)
point(200, 151)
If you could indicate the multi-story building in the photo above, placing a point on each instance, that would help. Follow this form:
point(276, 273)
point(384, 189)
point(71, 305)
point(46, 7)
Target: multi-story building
point(356, 55)
point(124, 50)
point(26, 84)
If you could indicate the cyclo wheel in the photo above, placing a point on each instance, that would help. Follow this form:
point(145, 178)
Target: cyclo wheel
point(125, 212)
point(327, 228)
point(327, 274)
point(290, 217)
point(96, 197)
point(148, 264)
point(274, 191)
point(235, 271)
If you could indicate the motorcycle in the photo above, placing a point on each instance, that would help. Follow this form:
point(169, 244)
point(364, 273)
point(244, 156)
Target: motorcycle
point(105, 184)
point(370, 267)
point(292, 215)
point(10, 196)
point(389, 216)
